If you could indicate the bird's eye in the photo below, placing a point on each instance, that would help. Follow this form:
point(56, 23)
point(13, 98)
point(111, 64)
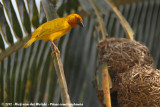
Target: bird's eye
point(77, 18)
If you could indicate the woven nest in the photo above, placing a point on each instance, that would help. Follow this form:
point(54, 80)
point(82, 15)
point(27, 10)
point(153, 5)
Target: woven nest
point(139, 87)
point(122, 54)
point(136, 81)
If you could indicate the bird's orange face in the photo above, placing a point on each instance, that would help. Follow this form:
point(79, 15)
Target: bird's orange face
point(75, 20)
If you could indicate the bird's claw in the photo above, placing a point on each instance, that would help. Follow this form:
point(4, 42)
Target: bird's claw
point(57, 50)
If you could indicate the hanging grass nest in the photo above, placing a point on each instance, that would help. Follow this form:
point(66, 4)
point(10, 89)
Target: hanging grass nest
point(136, 82)
point(139, 87)
point(121, 54)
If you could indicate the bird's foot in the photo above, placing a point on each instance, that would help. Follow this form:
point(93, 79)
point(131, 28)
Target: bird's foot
point(56, 50)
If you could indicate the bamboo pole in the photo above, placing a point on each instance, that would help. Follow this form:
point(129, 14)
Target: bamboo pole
point(105, 84)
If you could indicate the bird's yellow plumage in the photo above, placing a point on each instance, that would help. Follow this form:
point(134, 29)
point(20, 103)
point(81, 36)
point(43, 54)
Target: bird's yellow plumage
point(55, 29)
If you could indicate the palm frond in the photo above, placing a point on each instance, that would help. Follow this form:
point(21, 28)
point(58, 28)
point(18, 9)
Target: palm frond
point(29, 75)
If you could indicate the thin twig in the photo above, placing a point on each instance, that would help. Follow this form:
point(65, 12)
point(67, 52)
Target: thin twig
point(62, 80)
point(105, 79)
point(50, 14)
point(103, 30)
point(123, 21)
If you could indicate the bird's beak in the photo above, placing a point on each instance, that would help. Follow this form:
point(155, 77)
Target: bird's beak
point(80, 23)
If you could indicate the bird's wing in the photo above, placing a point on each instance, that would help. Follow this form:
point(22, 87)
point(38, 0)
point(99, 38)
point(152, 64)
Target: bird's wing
point(53, 26)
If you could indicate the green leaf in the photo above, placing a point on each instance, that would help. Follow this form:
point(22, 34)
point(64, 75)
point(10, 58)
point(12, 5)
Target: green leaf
point(33, 13)
point(12, 18)
point(24, 16)
point(1, 82)
point(4, 27)
point(2, 46)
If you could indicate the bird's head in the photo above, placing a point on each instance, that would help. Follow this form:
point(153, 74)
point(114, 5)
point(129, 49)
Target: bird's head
point(75, 20)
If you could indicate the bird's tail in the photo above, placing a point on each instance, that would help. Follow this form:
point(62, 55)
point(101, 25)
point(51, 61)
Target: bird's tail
point(29, 43)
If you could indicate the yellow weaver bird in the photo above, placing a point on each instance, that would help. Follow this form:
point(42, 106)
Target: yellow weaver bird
point(55, 29)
